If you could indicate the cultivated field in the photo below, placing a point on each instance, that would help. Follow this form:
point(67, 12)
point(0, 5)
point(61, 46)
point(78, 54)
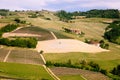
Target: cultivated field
point(89, 75)
point(3, 53)
point(25, 56)
point(40, 33)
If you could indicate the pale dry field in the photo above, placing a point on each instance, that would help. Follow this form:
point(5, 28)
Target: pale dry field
point(67, 45)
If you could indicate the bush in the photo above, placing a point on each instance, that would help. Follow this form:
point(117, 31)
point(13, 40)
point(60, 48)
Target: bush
point(116, 70)
point(9, 28)
point(17, 20)
point(103, 71)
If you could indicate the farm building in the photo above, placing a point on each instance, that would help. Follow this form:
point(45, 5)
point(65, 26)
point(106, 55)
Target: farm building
point(76, 31)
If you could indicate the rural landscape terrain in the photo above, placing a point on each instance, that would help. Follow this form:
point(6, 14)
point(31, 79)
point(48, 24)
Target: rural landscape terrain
point(61, 45)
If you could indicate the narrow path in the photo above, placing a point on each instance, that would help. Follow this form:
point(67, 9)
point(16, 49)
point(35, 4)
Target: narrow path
point(48, 70)
point(53, 35)
point(83, 77)
point(7, 56)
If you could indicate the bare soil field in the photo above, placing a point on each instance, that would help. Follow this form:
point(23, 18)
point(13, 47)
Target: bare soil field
point(67, 45)
point(3, 53)
point(25, 56)
point(89, 75)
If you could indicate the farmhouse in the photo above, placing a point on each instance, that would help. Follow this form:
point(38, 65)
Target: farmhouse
point(71, 30)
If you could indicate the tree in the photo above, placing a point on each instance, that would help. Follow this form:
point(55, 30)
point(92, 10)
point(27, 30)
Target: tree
point(116, 70)
point(112, 32)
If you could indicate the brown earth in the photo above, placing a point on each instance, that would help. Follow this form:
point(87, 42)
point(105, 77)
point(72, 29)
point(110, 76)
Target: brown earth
point(89, 75)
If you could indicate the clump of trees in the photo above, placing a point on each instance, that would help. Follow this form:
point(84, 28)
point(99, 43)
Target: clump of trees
point(104, 45)
point(4, 12)
point(101, 43)
point(8, 28)
point(19, 42)
point(108, 13)
point(64, 16)
point(17, 20)
point(112, 32)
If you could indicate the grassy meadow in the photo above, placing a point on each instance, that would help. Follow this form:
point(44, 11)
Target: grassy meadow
point(24, 71)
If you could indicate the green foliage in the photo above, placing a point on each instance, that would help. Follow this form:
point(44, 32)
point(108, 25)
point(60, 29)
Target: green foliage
point(116, 70)
point(17, 20)
point(33, 16)
point(19, 42)
point(4, 12)
point(9, 28)
point(83, 65)
point(112, 32)
point(104, 45)
point(64, 16)
point(103, 71)
point(108, 13)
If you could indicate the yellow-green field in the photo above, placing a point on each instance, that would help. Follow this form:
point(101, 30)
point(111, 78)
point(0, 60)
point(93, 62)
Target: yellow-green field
point(23, 71)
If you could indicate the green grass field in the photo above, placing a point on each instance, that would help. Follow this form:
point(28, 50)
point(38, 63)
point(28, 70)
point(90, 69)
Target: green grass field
point(22, 71)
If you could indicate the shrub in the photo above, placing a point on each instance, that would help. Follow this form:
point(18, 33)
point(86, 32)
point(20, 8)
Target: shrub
point(9, 28)
point(116, 70)
point(103, 71)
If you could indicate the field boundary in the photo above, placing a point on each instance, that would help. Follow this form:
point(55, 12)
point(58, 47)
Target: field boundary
point(83, 77)
point(5, 59)
point(53, 35)
point(47, 69)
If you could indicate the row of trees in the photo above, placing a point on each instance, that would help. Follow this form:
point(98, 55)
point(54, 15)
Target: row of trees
point(19, 42)
point(109, 13)
point(92, 66)
point(83, 64)
point(112, 32)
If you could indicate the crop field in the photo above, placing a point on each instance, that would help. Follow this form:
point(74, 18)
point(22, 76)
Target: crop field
point(45, 35)
point(17, 71)
point(3, 53)
point(25, 56)
point(72, 77)
point(74, 74)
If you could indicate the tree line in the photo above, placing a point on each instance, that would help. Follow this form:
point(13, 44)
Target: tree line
point(19, 42)
point(108, 13)
point(4, 12)
point(91, 66)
